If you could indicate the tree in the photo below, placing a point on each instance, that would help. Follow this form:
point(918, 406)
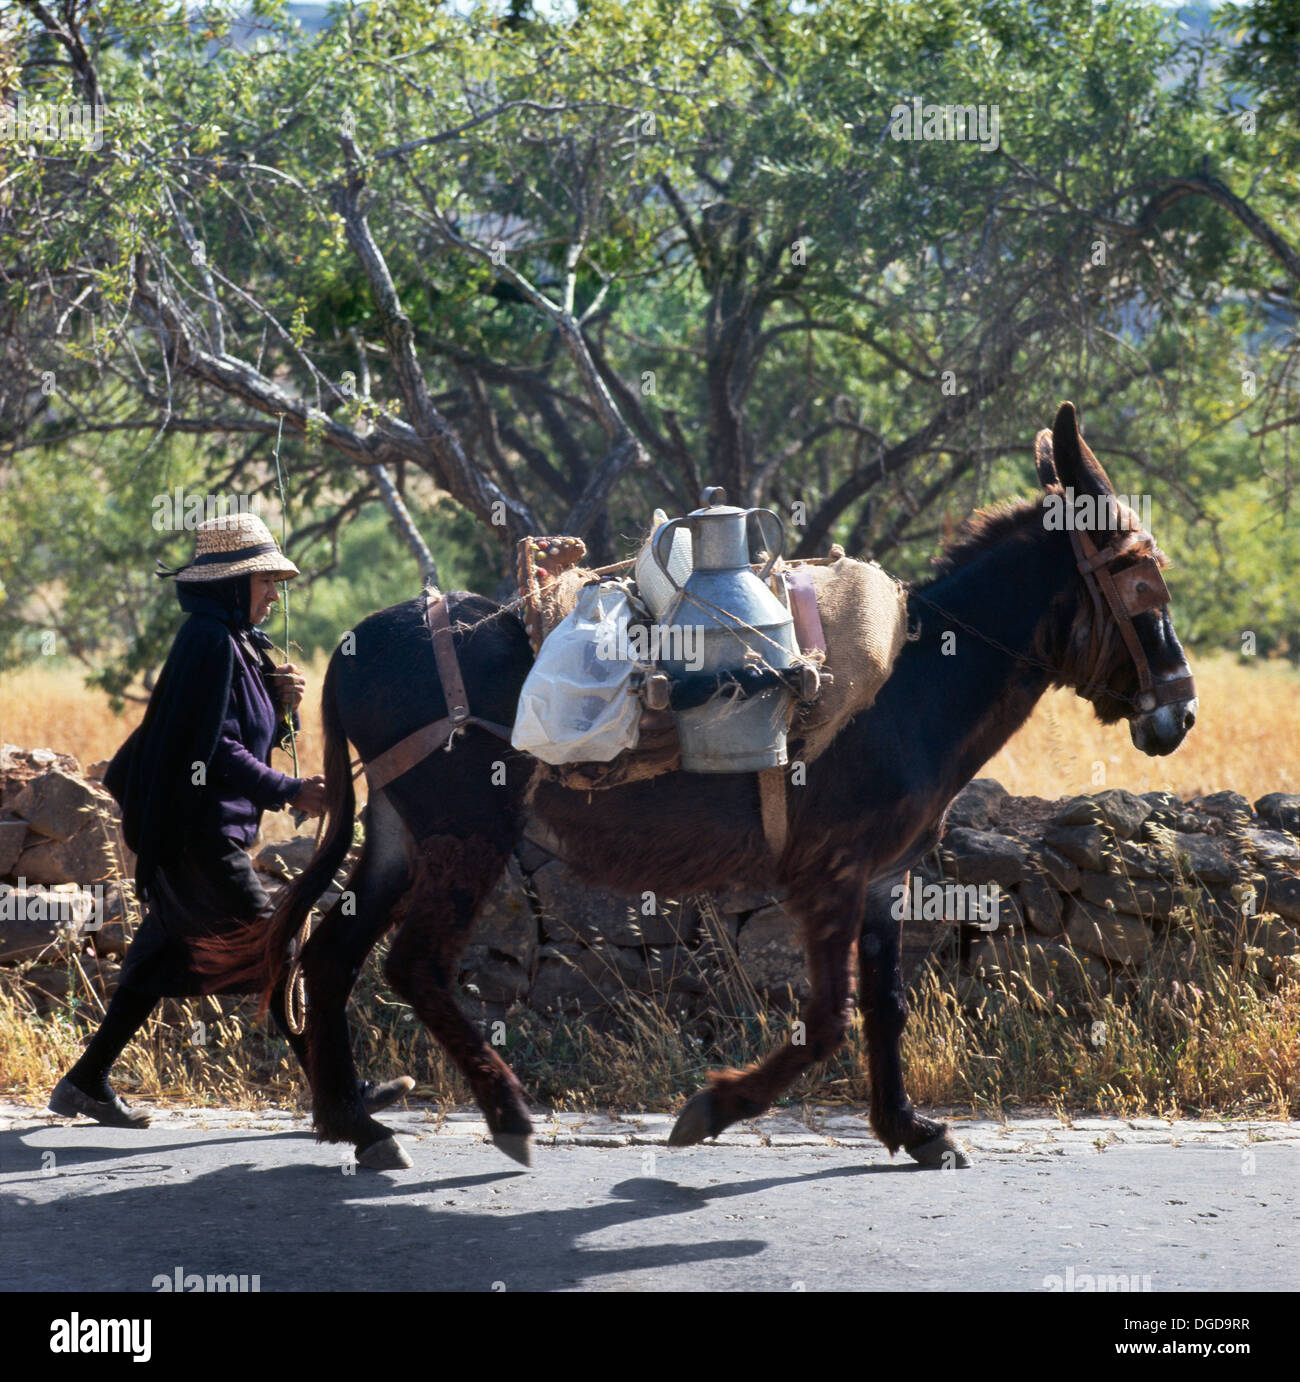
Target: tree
point(563, 270)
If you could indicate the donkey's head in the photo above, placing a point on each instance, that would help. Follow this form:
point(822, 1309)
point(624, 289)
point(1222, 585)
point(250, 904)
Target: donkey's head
point(1121, 652)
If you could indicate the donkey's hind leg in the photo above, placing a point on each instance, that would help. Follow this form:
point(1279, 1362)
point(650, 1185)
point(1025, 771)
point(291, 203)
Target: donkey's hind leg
point(883, 1003)
point(331, 963)
point(453, 875)
point(829, 925)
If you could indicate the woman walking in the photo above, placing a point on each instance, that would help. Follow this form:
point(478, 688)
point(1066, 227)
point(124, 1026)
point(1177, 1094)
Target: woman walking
point(192, 782)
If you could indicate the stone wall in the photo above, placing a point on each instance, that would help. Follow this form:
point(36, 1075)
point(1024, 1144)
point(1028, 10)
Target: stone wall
point(1095, 884)
point(60, 854)
point(1085, 888)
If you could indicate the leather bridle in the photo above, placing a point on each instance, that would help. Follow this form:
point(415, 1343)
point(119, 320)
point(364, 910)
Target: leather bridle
point(1124, 594)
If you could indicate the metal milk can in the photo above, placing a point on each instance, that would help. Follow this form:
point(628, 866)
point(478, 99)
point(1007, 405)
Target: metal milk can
point(724, 618)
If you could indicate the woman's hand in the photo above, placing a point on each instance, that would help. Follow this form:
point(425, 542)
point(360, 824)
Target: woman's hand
point(290, 686)
point(311, 799)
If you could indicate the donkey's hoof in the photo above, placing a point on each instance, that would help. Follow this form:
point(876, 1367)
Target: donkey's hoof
point(385, 1155)
point(515, 1145)
point(695, 1122)
point(943, 1151)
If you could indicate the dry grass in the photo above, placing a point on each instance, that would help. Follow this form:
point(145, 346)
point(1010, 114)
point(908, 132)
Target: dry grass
point(1246, 738)
point(1212, 1026)
point(49, 706)
point(1203, 1031)
point(206, 1051)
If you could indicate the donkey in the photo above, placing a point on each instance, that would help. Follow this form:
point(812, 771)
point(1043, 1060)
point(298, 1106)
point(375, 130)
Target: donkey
point(1024, 614)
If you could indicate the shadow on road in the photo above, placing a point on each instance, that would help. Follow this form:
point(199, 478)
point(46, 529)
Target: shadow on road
point(96, 1227)
point(87, 1151)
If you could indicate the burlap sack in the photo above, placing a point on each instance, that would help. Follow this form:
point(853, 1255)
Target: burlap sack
point(559, 597)
point(864, 615)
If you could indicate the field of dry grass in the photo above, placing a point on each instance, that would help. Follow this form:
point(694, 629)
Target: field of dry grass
point(1246, 739)
point(1211, 1026)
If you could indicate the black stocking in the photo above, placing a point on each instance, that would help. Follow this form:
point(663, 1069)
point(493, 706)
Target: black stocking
point(127, 1012)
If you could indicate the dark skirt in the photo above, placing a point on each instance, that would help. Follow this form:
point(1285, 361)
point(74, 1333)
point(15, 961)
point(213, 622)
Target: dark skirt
point(210, 889)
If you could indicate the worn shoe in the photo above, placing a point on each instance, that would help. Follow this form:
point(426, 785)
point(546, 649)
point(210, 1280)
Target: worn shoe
point(377, 1096)
point(68, 1101)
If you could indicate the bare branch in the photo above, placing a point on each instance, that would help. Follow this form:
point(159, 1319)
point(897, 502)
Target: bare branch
point(444, 456)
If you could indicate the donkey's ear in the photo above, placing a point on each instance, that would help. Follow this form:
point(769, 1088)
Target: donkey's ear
point(1044, 461)
point(1077, 467)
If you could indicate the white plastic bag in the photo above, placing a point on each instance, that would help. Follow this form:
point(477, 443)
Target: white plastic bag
point(577, 704)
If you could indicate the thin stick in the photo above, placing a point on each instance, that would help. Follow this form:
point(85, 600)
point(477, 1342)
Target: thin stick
point(284, 547)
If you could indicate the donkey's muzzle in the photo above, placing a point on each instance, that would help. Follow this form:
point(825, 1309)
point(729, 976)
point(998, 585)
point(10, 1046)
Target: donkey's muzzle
point(1161, 730)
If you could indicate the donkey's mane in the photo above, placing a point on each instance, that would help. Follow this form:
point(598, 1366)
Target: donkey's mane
point(985, 528)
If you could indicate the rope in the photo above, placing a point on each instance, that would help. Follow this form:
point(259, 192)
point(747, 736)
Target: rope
point(1002, 647)
point(295, 989)
point(747, 628)
point(284, 547)
point(913, 594)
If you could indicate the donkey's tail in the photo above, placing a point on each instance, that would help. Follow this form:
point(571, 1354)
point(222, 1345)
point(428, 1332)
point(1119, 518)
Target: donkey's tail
point(256, 958)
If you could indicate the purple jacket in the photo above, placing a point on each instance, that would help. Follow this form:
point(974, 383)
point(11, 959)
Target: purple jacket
point(242, 783)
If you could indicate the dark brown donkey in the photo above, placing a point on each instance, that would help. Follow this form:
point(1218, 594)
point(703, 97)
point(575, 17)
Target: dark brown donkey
point(1026, 604)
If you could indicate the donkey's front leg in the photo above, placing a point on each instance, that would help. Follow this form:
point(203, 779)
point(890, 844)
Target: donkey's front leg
point(829, 927)
point(884, 1009)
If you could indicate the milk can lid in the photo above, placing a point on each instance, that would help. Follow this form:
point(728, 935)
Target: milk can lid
point(714, 504)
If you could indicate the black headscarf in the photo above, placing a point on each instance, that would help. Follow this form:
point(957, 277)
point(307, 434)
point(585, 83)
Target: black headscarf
point(152, 776)
point(233, 594)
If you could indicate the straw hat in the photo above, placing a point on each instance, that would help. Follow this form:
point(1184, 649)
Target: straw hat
point(235, 545)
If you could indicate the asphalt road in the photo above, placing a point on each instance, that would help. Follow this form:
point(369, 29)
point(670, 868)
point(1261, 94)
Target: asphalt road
point(776, 1205)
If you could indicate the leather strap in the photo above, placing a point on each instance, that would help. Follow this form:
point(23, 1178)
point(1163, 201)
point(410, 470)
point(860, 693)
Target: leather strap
point(416, 747)
point(1094, 567)
point(406, 753)
point(771, 801)
point(444, 652)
